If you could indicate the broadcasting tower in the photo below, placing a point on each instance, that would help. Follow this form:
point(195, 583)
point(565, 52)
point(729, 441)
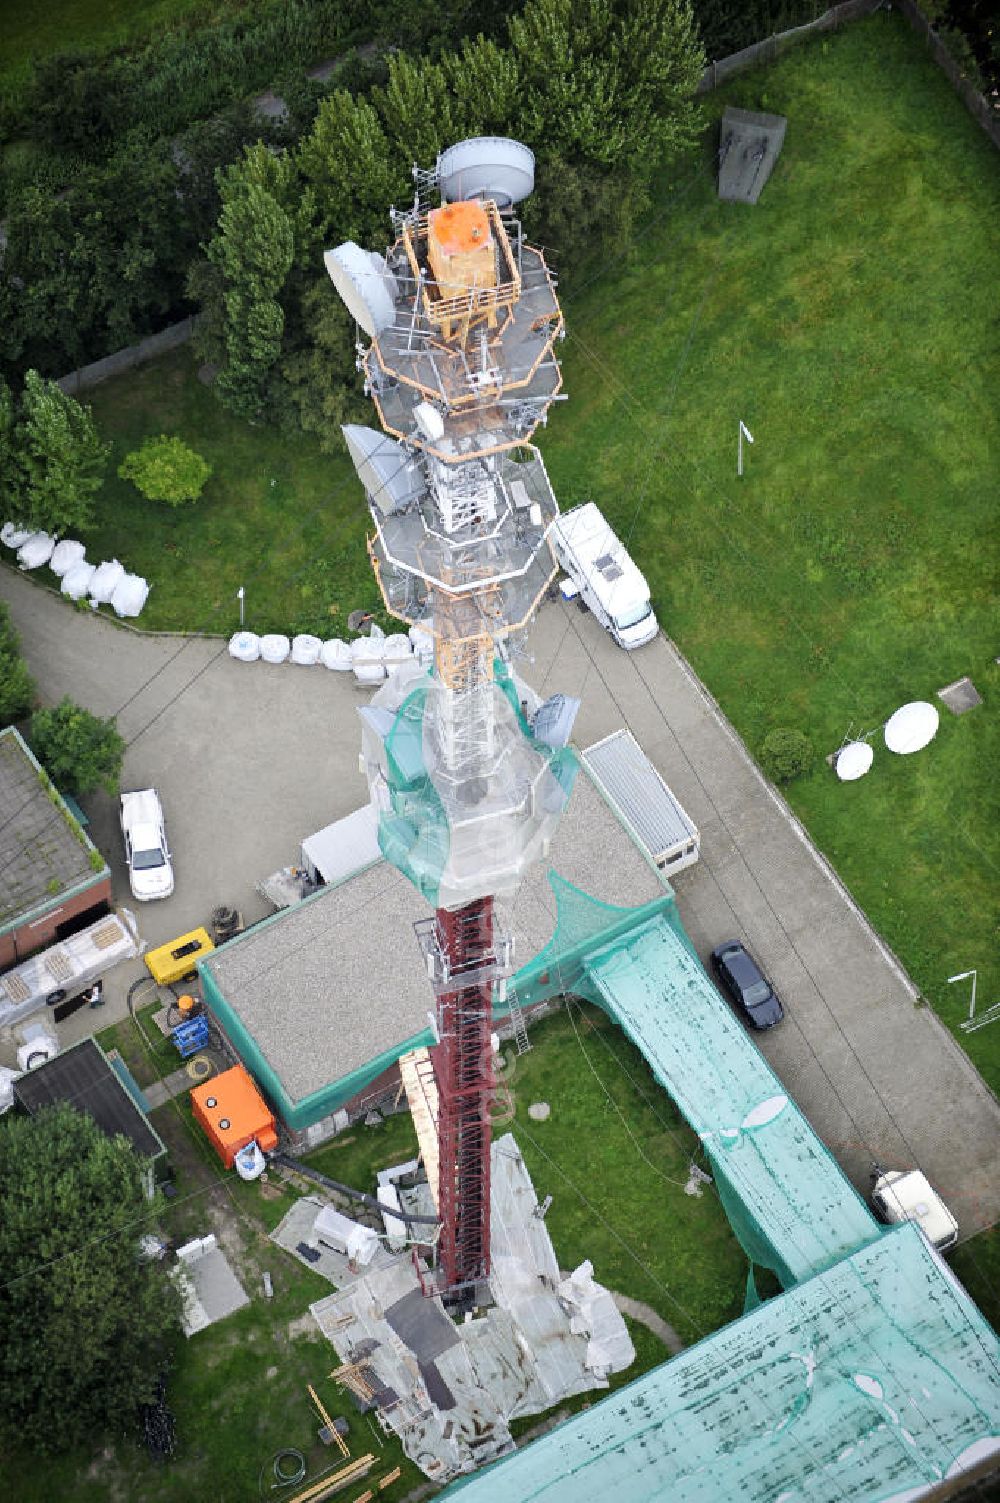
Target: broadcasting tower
point(468, 773)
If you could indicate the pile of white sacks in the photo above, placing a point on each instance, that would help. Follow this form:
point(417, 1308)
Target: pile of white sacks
point(107, 583)
point(370, 659)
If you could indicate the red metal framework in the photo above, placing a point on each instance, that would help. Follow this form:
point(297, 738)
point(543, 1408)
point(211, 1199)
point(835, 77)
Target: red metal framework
point(463, 1066)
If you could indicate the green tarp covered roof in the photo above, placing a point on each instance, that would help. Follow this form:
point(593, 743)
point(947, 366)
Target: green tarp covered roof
point(870, 1381)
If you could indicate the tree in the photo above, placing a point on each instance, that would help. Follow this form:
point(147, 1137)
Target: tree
point(785, 753)
point(62, 457)
point(354, 174)
point(252, 250)
point(11, 476)
point(17, 691)
point(84, 1321)
point(165, 469)
point(78, 750)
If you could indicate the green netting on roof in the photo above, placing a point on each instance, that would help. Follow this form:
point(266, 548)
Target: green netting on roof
point(789, 1204)
point(872, 1380)
point(413, 835)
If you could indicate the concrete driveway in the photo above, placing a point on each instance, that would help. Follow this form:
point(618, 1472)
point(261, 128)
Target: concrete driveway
point(250, 758)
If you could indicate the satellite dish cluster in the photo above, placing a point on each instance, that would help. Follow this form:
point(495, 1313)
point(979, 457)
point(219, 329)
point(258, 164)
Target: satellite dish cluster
point(912, 727)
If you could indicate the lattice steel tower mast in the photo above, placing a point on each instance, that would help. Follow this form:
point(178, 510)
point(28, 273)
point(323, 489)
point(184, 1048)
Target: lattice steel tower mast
point(462, 318)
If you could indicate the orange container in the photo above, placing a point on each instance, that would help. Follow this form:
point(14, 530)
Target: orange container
point(233, 1112)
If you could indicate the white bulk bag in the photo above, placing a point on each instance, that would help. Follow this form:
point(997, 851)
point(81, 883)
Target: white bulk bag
point(366, 659)
point(107, 577)
point(335, 654)
point(274, 648)
point(36, 551)
point(396, 651)
point(306, 650)
point(76, 581)
point(245, 647)
point(13, 535)
point(65, 555)
point(130, 595)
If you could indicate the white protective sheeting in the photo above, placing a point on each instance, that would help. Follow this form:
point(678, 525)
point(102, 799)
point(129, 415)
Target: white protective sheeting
point(130, 594)
point(107, 577)
point(344, 848)
point(306, 650)
point(76, 581)
point(36, 551)
point(13, 536)
point(336, 654)
point(274, 648)
point(245, 647)
point(65, 555)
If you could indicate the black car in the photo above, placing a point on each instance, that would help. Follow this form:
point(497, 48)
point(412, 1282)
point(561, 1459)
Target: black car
point(740, 976)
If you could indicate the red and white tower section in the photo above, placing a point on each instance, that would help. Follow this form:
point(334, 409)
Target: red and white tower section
point(469, 773)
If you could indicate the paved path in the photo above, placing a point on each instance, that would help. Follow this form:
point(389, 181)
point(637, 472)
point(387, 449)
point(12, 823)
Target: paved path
point(250, 758)
point(647, 1316)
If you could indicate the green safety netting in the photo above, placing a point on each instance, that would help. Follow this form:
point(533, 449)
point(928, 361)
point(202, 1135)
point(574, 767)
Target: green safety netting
point(460, 837)
point(872, 1380)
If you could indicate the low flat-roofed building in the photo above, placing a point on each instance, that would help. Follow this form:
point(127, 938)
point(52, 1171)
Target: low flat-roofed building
point(84, 1077)
point(53, 881)
point(321, 999)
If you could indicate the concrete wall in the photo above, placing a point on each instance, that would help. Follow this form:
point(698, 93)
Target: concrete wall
point(121, 361)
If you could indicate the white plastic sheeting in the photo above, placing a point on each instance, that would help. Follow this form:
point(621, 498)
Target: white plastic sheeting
point(396, 650)
point(358, 1242)
point(76, 581)
point(65, 555)
point(274, 648)
point(36, 551)
point(130, 595)
point(306, 650)
point(336, 654)
point(13, 536)
point(245, 647)
point(107, 577)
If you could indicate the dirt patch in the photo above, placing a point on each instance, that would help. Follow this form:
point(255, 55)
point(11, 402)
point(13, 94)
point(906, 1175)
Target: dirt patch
point(303, 1325)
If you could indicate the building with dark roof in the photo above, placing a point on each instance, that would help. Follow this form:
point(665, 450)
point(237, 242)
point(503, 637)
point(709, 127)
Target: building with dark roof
point(53, 880)
point(85, 1078)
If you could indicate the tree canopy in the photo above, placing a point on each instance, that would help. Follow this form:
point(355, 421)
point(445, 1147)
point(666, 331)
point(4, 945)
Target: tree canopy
point(79, 751)
point(165, 469)
point(17, 690)
point(60, 459)
point(85, 1323)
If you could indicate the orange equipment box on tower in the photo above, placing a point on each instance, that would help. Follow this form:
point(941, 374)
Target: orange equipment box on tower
point(460, 248)
point(233, 1112)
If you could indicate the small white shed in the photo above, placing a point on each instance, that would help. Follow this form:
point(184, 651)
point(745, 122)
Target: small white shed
point(343, 848)
point(634, 788)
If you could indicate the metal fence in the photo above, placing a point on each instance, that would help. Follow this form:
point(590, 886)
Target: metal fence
point(770, 48)
point(978, 107)
point(125, 360)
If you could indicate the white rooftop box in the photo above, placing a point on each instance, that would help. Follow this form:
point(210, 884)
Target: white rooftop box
point(634, 788)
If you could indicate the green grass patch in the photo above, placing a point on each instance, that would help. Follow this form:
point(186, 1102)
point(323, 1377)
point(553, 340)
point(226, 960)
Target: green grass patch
point(278, 518)
point(847, 319)
point(31, 33)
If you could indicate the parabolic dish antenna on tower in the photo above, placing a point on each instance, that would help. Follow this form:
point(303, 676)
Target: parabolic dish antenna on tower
point(853, 761)
point(388, 473)
point(366, 285)
point(487, 167)
point(911, 727)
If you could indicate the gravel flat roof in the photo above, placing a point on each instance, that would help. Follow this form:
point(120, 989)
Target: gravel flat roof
point(41, 855)
point(328, 985)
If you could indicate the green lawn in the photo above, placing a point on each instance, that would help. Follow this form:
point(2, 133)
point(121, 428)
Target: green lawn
point(32, 32)
point(277, 517)
point(848, 320)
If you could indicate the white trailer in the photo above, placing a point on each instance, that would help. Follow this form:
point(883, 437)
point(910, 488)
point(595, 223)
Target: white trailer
point(641, 798)
point(610, 584)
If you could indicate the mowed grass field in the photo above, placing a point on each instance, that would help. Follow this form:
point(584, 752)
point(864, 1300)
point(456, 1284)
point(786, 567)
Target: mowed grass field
point(29, 33)
point(849, 320)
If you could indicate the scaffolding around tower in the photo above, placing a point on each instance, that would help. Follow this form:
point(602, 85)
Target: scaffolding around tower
point(463, 319)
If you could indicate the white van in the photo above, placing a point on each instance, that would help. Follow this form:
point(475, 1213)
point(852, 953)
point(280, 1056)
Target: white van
point(905, 1195)
point(609, 582)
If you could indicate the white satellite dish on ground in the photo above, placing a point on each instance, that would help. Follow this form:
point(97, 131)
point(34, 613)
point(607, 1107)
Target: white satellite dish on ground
point(853, 761)
point(911, 727)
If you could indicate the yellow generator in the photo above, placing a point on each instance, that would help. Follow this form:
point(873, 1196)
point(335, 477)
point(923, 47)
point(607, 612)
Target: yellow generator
point(177, 958)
